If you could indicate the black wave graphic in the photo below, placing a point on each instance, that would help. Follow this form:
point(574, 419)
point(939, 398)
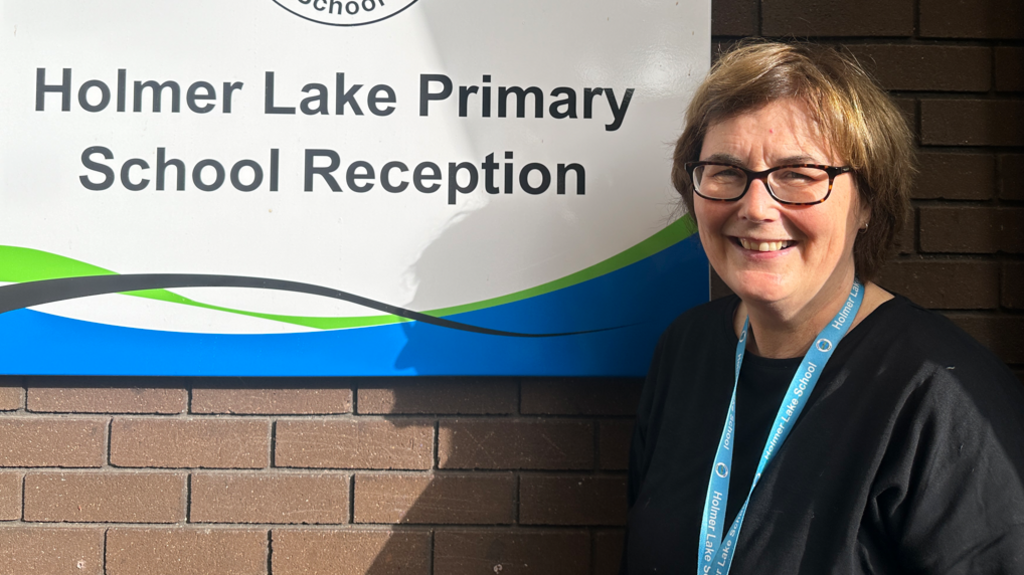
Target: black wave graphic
point(27, 294)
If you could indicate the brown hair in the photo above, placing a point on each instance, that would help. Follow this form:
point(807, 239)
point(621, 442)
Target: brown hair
point(860, 124)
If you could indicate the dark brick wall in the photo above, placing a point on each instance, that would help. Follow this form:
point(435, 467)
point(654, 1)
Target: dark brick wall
point(463, 475)
point(956, 68)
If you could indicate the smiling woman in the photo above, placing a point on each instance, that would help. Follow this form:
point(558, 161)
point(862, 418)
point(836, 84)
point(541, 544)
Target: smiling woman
point(796, 287)
point(856, 432)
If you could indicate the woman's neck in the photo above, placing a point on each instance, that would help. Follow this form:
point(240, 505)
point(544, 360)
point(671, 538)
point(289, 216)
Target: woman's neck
point(776, 332)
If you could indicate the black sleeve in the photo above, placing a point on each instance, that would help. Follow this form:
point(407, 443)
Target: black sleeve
point(635, 479)
point(950, 488)
point(637, 447)
point(638, 444)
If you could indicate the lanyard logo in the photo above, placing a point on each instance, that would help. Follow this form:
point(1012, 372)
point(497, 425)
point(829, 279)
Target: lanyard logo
point(823, 345)
point(722, 470)
point(345, 12)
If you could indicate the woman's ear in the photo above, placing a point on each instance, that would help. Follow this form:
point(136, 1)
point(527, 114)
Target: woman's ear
point(865, 217)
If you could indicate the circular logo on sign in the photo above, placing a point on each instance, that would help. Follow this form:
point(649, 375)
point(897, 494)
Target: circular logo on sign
point(345, 12)
point(722, 470)
point(824, 345)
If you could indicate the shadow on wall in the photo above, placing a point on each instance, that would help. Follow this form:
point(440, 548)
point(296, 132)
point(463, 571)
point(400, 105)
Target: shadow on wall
point(496, 518)
point(511, 494)
point(490, 484)
point(506, 493)
point(442, 264)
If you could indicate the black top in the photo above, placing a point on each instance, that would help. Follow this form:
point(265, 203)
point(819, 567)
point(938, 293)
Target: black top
point(908, 457)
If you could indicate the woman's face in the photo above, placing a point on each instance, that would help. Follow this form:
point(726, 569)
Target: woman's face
point(810, 248)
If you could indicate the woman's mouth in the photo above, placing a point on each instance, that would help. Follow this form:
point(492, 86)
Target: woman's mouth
point(764, 246)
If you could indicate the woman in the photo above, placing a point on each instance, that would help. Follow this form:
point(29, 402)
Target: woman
point(883, 438)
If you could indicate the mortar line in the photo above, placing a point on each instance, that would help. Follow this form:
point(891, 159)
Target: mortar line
point(23, 476)
point(593, 550)
point(437, 445)
point(352, 499)
point(188, 499)
point(270, 552)
point(432, 549)
point(103, 560)
point(272, 457)
point(107, 464)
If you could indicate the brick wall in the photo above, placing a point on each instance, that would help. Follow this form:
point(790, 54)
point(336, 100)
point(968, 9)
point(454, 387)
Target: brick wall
point(956, 68)
point(496, 475)
point(348, 476)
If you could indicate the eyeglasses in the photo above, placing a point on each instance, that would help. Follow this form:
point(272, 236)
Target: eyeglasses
point(795, 185)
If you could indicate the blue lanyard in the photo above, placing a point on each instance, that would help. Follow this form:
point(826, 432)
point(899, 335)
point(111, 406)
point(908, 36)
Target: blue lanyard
point(715, 553)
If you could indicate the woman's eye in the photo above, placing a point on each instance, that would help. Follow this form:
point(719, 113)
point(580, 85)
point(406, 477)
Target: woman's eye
point(794, 176)
point(725, 174)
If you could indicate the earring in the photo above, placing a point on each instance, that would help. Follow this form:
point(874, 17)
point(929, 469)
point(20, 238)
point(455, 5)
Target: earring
point(864, 228)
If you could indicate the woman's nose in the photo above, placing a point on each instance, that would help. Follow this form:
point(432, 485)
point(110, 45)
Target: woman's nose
point(757, 204)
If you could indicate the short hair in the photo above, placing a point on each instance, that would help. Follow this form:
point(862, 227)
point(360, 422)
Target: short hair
point(861, 126)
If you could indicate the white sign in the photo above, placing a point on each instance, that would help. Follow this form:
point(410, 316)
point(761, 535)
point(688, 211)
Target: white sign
point(328, 187)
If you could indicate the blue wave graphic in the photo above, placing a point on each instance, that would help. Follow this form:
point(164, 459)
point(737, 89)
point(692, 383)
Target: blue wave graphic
point(645, 296)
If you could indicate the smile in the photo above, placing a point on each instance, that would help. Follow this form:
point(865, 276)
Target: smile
point(760, 246)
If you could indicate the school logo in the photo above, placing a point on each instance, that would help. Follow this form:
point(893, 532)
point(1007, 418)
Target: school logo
point(722, 470)
point(345, 12)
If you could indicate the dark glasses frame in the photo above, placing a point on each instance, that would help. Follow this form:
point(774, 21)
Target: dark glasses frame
point(832, 172)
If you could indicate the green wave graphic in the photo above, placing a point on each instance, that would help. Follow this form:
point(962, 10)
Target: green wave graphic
point(19, 264)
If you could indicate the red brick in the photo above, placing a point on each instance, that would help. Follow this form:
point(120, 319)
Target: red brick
point(10, 496)
point(1004, 335)
point(734, 18)
point(11, 397)
point(515, 444)
point(608, 547)
point(1009, 69)
point(614, 438)
point(972, 230)
point(927, 67)
point(437, 395)
point(440, 499)
point(350, 552)
point(1012, 288)
point(907, 242)
point(939, 284)
point(580, 396)
point(52, 442)
point(25, 550)
point(269, 498)
point(572, 500)
point(209, 443)
point(1011, 177)
point(465, 552)
point(355, 444)
point(955, 176)
point(174, 551)
point(972, 122)
point(908, 108)
point(272, 401)
point(837, 18)
point(107, 400)
point(105, 497)
point(960, 19)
